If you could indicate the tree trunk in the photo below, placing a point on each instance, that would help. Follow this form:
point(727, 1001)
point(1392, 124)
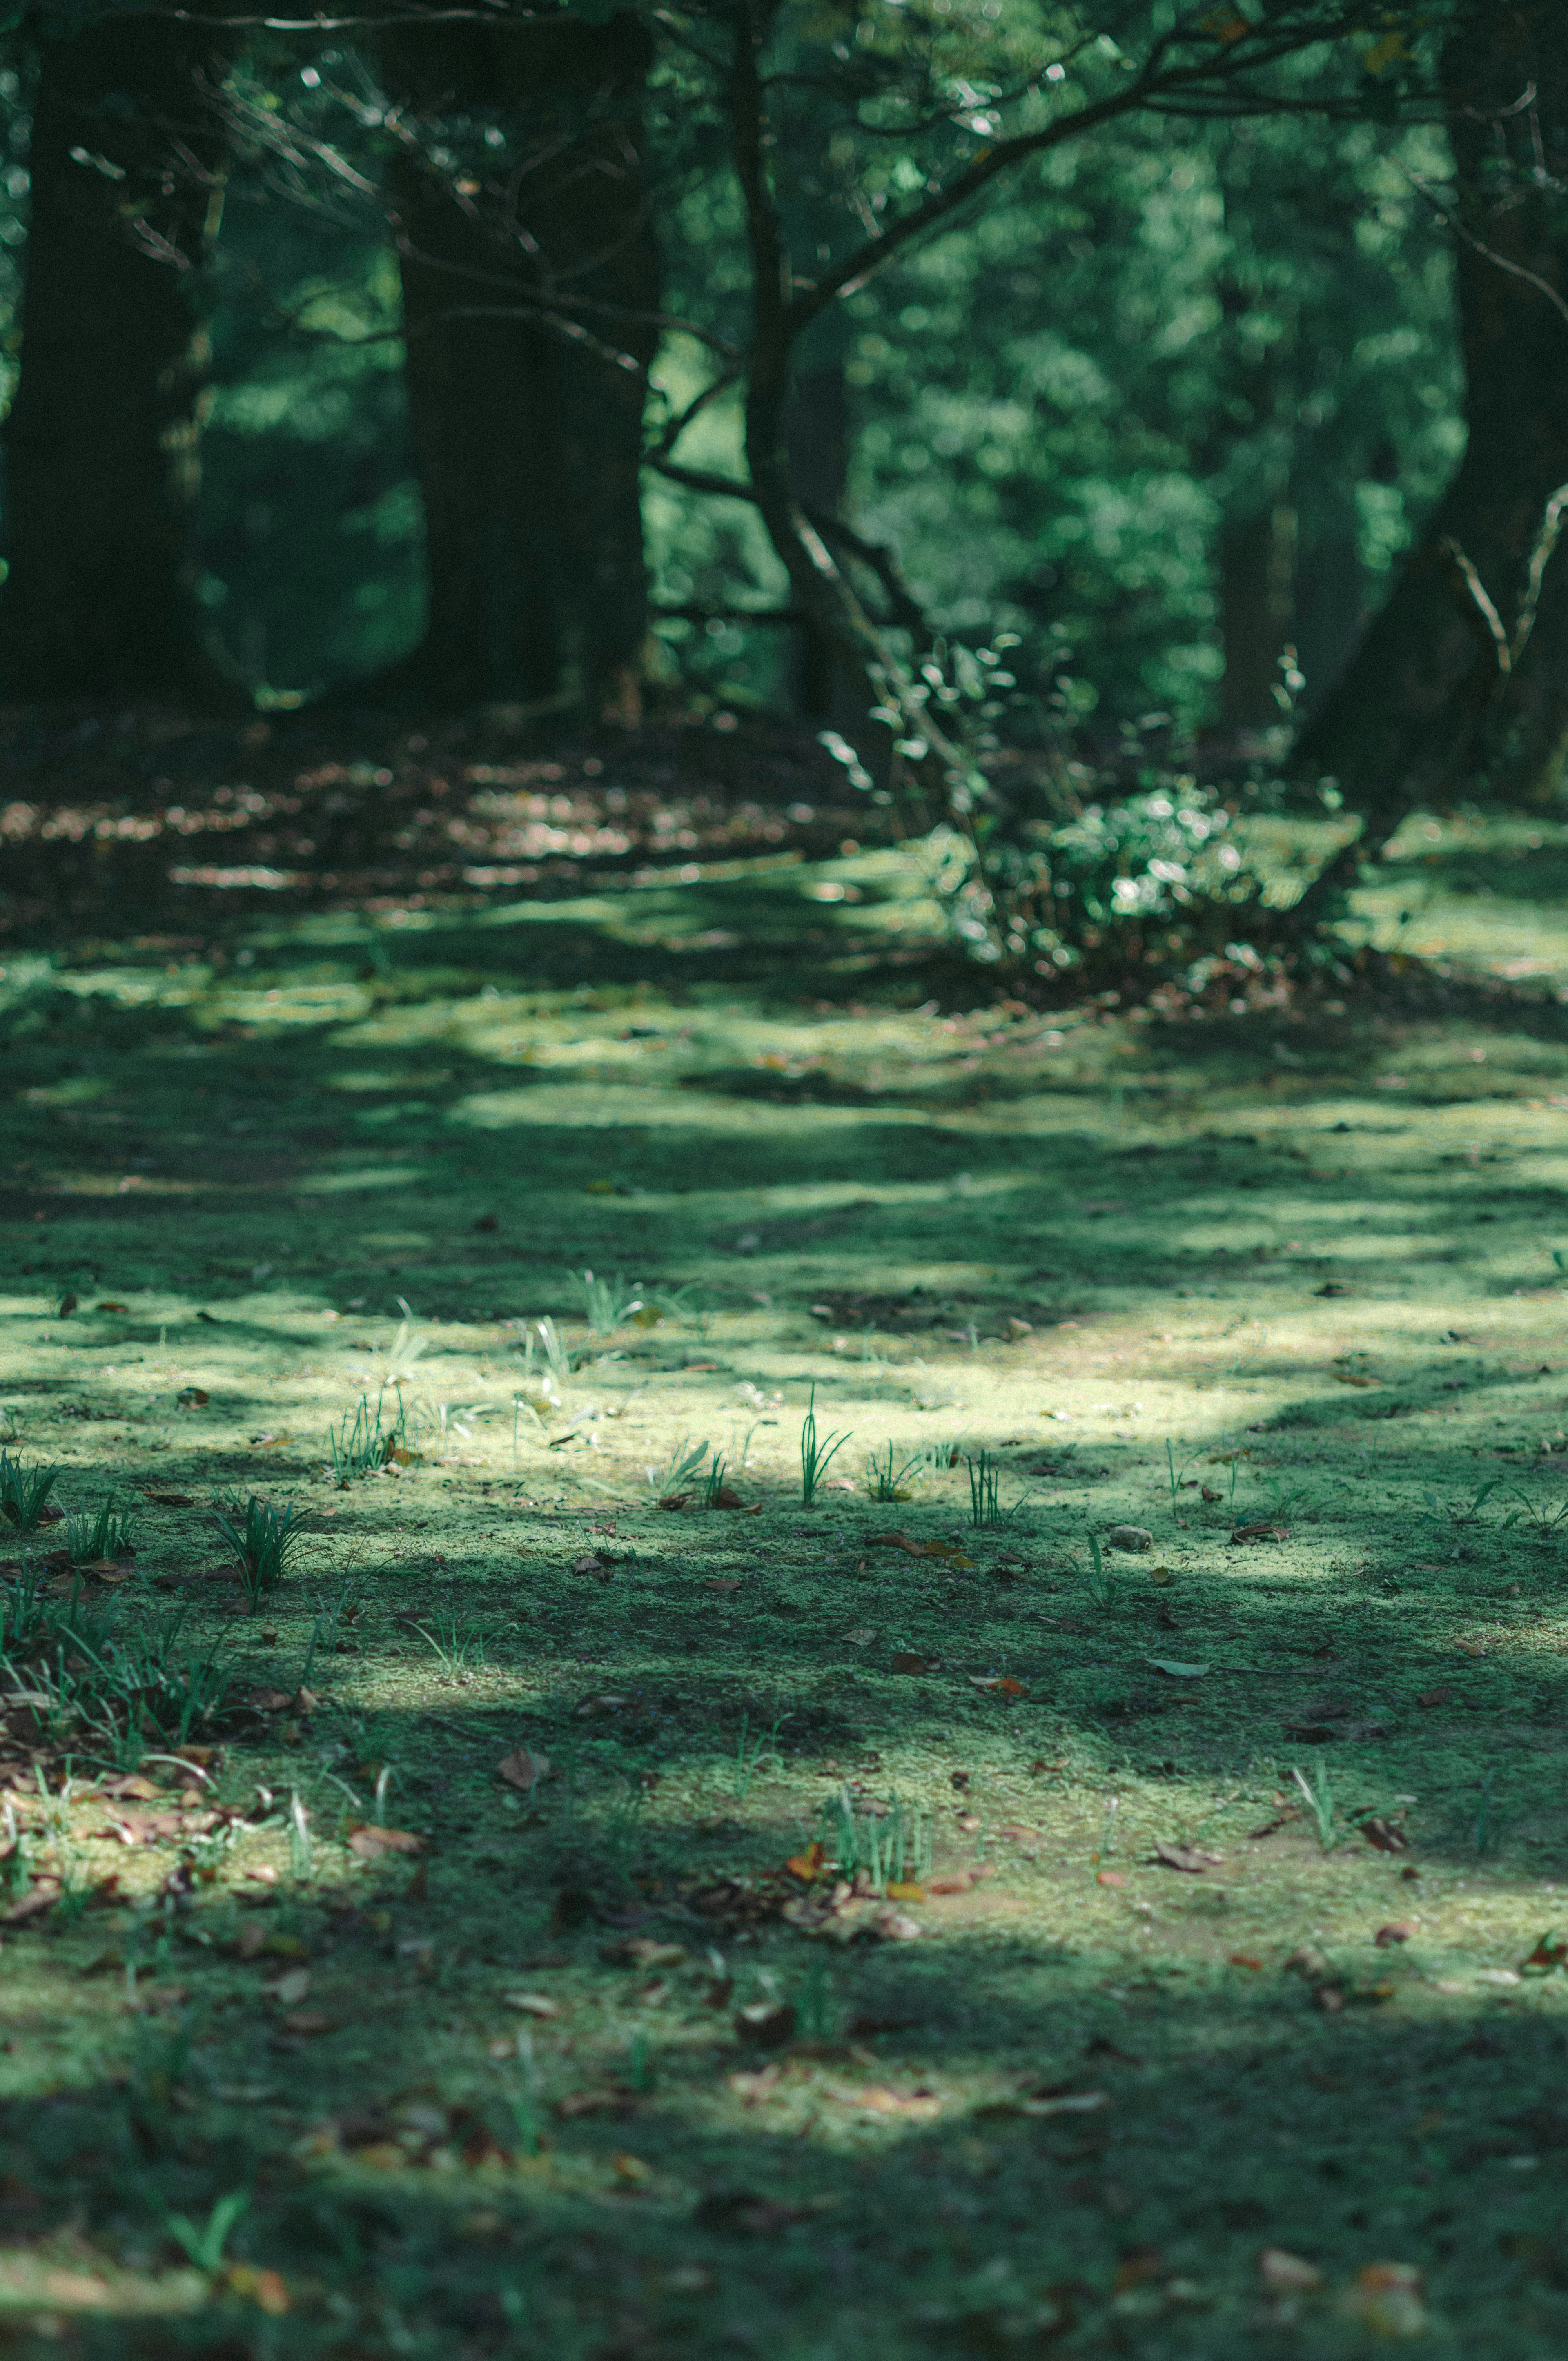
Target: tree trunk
point(820, 474)
point(1424, 702)
point(102, 442)
point(1256, 552)
point(528, 443)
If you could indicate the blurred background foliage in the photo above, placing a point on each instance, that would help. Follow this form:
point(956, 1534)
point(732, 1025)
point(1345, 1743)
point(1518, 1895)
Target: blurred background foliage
point(1180, 396)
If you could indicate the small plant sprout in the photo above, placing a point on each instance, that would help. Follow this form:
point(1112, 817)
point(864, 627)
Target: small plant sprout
point(984, 1496)
point(362, 1446)
point(887, 1845)
point(887, 1477)
point(301, 1845)
point(817, 1453)
point(1322, 1804)
point(203, 2247)
point(553, 1348)
point(325, 1630)
point(680, 1471)
point(1459, 1511)
point(384, 1778)
point(1175, 1475)
point(752, 1753)
point(1101, 1589)
point(24, 1493)
point(458, 1645)
point(608, 1304)
point(263, 1540)
point(714, 1482)
point(106, 1534)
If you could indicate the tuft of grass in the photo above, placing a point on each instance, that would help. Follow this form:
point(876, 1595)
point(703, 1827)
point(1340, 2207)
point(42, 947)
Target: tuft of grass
point(1322, 1804)
point(680, 1471)
point(459, 1646)
point(24, 1492)
point(366, 1443)
point(713, 1481)
point(106, 1533)
point(876, 1849)
point(752, 1753)
point(984, 1491)
point(816, 1452)
point(887, 1477)
point(608, 1304)
point(263, 1540)
point(1101, 1586)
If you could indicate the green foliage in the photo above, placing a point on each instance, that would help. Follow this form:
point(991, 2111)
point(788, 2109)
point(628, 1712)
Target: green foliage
point(24, 1493)
point(263, 1539)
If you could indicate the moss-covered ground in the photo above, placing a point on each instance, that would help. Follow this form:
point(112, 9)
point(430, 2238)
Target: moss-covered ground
point(342, 2039)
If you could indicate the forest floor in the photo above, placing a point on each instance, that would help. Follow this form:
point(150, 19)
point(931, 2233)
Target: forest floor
point(486, 1973)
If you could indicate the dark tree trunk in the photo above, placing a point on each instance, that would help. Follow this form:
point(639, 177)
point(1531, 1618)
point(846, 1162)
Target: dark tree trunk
point(1256, 552)
point(102, 442)
point(1423, 703)
point(819, 475)
point(528, 443)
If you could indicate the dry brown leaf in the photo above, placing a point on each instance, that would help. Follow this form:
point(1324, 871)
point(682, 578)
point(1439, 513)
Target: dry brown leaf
point(1386, 2299)
point(906, 1661)
point(1186, 1857)
point(523, 1769)
point(368, 1843)
point(1261, 1533)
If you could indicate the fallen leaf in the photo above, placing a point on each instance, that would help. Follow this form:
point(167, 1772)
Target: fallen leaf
point(268, 1701)
point(725, 1498)
point(110, 1307)
point(860, 1639)
point(1387, 2298)
point(947, 1551)
point(1354, 1378)
point(878, 2100)
point(675, 1500)
point(1001, 1684)
point(191, 1398)
point(523, 1769)
point(906, 1661)
point(267, 2289)
point(1549, 1957)
point(1434, 1696)
point(531, 2004)
point(1385, 1836)
point(1061, 2103)
point(1332, 1287)
point(905, 1891)
point(1176, 1670)
point(1244, 1960)
point(307, 2022)
point(1283, 2273)
point(1109, 1877)
point(596, 1561)
point(1398, 1932)
point(723, 1582)
point(1261, 1533)
point(1130, 1538)
point(952, 1882)
point(808, 1865)
point(629, 2169)
point(1186, 1857)
point(65, 1307)
point(291, 1989)
point(368, 1843)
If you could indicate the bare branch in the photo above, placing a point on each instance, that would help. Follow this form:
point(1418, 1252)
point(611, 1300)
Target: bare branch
point(1514, 270)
